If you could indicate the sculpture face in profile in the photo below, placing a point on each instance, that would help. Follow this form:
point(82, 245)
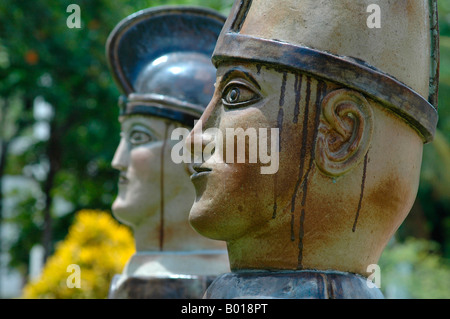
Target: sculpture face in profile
point(154, 192)
point(350, 105)
point(160, 59)
point(152, 188)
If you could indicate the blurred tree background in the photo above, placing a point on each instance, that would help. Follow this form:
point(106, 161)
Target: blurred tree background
point(58, 119)
point(59, 131)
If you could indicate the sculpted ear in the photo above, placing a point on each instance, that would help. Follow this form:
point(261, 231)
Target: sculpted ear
point(345, 132)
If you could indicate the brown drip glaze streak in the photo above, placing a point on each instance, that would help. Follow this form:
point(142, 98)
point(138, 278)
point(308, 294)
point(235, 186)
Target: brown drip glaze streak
point(280, 111)
point(297, 91)
point(161, 183)
point(283, 89)
point(280, 127)
point(363, 183)
point(302, 153)
point(320, 92)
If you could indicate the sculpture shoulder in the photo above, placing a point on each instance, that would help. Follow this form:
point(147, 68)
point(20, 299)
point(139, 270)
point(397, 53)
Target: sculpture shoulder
point(291, 285)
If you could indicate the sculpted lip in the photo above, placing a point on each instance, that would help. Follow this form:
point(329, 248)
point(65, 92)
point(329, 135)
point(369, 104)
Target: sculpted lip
point(199, 171)
point(123, 179)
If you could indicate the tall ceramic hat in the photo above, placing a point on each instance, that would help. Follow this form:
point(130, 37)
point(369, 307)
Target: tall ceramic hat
point(161, 60)
point(396, 64)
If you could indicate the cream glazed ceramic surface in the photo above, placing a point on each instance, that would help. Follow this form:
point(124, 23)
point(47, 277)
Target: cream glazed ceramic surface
point(350, 105)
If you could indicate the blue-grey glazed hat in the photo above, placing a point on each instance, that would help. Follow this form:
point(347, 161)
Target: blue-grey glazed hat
point(160, 59)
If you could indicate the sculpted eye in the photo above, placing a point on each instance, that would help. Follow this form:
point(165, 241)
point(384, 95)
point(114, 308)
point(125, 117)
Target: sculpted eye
point(239, 95)
point(140, 137)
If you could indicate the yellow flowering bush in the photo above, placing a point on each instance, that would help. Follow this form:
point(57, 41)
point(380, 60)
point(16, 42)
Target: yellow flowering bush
point(95, 243)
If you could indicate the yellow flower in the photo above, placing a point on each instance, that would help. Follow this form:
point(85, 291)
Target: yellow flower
point(98, 245)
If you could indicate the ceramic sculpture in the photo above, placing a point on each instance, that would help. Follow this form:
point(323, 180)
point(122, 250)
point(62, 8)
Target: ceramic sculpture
point(352, 107)
point(160, 59)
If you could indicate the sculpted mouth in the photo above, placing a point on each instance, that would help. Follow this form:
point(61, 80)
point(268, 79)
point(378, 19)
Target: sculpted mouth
point(123, 179)
point(200, 171)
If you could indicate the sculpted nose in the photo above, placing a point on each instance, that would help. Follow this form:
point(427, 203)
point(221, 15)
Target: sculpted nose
point(197, 141)
point(120, 159)
point(201, 138)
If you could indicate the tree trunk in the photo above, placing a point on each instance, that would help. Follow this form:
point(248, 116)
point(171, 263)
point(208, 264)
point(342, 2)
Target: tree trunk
point(54, 157)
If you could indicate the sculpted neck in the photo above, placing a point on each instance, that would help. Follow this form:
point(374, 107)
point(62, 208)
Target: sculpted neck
point(276, 246)
point(265, 249)
point(162, 235)
point(175, 248)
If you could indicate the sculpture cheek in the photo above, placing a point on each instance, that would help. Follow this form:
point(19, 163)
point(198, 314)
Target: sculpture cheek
point(145, 162)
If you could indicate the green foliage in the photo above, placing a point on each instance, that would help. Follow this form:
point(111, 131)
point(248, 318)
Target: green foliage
point(37, 45)
point(41, 56)
point(433, 199)
point(414, 269)
point(28, 226)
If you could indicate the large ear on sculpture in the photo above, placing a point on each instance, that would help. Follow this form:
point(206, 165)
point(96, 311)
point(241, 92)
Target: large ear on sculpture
point(345, 132)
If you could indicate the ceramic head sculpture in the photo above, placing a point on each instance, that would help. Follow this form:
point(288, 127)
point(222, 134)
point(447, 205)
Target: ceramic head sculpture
point(161, 60)
point(352, 105)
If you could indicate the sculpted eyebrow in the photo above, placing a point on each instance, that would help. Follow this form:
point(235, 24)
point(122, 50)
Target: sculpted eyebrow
point(241, 72)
